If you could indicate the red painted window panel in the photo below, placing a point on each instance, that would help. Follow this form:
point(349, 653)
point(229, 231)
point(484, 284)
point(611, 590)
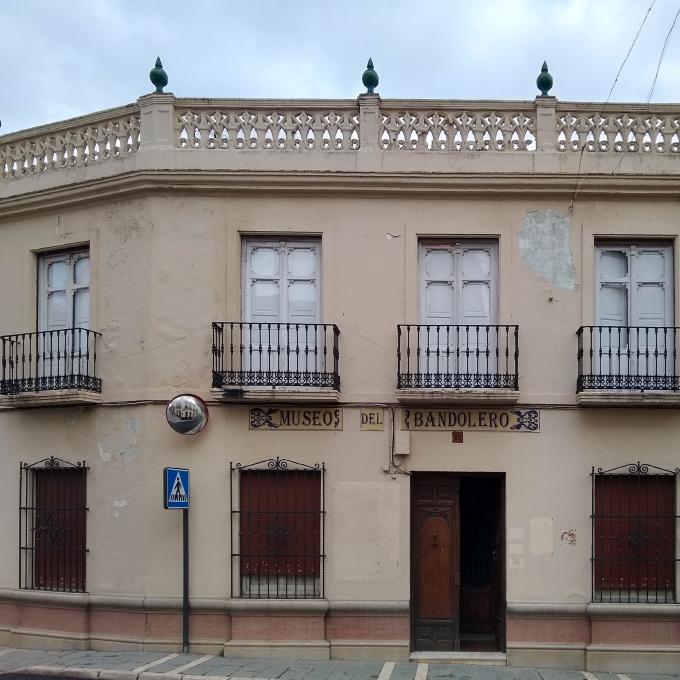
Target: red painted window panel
point(280, 523)
point(634, 537)
point(59, 529)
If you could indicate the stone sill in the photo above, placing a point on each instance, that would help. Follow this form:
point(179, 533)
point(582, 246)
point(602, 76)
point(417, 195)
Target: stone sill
point(277, 394)
point(472, 658)
point(627, 398)
point(50, 398)
point(458, 396)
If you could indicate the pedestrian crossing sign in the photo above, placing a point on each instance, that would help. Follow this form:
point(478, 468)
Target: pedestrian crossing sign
point(175, 488)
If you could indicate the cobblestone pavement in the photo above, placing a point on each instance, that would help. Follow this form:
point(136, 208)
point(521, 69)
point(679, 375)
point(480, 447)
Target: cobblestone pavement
point(163, 666)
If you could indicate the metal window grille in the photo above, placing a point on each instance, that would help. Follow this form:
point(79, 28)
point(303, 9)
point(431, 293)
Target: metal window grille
point(634, 521)
point(277, 529)
point(457, 356)
point(52, 525)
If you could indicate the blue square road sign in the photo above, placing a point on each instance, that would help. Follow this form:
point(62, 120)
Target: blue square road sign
point(175, 488)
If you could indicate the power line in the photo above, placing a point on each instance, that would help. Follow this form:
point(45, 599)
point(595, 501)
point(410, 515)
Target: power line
point(630, 49)
point(656, 75)
point(579, 178)
point(661, 56)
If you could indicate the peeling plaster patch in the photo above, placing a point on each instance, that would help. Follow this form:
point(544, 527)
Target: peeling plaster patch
point(130, 449)
point(120, 503)
point(103, 453)
point(129, 452)
point(544, 244)
point(568, 536)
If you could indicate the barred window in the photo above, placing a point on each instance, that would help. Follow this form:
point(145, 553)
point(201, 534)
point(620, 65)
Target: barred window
point(278, 517)
point(52, 525)
point(634, 530)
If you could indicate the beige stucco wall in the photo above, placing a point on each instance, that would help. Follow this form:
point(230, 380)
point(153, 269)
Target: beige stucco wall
point(135, 545)
point(165, 267)
point(166, 263)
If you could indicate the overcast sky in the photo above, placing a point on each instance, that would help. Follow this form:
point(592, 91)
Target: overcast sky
point(63, 58)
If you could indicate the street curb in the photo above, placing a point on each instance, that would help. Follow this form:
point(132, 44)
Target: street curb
point(117, 675)
point(59, 671)
point(108, 674)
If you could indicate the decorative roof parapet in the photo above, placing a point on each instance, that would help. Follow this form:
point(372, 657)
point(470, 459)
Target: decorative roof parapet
point(447, 128)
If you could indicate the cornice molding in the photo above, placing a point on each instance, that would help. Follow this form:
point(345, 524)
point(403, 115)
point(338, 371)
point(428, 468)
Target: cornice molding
point(356, 184)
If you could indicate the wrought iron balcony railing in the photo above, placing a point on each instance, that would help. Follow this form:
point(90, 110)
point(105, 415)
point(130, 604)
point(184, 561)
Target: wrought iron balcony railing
point(627, 358)
point(251, 354)
point(49, 360)
point(457, 356)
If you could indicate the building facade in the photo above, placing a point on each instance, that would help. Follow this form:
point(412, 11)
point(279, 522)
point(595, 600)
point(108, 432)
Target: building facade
point(437, 343)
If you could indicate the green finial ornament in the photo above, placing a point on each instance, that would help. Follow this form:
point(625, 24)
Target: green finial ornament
point(544, 81)
point(370, 78)
point(158, 76)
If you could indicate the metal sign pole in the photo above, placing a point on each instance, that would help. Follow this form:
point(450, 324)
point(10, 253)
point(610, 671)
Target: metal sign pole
point(176, 497)
point(185, 578)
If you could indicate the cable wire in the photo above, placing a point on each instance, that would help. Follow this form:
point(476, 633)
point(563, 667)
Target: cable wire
point(661, 56)
point(579, 178)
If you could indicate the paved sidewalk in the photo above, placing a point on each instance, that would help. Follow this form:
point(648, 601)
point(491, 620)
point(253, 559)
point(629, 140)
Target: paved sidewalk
point(164, 666)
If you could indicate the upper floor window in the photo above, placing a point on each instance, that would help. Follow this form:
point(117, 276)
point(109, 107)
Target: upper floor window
point(633, 342)
point(64, 290)
point(282, 283)
point(635, 285)
point(458, 282)
point(458, 343)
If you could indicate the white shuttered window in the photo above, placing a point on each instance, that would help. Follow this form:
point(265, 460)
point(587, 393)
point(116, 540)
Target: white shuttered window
point(458, 283)
point(63, 305)
point(458, 287)
point(282, 304)
point(635, 296)
point(64, 291)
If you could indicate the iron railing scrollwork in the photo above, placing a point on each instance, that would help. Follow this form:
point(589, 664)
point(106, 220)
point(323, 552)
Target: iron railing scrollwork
point(52, 525)
point(250, 354)
point(49, 360)
point(277, 529)
point(458, 356)
point(634, 528)
point(627, 358)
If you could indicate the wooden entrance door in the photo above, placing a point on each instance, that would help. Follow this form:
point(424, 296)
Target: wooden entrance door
point(435, 546)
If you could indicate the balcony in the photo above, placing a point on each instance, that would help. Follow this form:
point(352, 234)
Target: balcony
point(49, 368)
point(284, 361)
point(465, 363)
point(627, 365)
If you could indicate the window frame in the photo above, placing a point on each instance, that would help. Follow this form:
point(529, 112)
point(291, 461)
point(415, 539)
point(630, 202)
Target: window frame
point(248, 242)
point(456, 245)
point(633, 246)
point(283, 586)
point(628, 542)
point(72, 256)
point(63, 567)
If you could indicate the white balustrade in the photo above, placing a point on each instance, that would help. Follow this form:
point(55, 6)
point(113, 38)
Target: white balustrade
point(61, 146)
point(469, 130)
point(389, 126)
point(267, 129)
point(619, 132)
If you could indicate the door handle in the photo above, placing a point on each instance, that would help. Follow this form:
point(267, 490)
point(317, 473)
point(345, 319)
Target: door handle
point(435, 540)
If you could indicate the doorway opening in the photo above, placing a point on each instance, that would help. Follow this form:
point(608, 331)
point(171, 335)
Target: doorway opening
point(458, 562)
